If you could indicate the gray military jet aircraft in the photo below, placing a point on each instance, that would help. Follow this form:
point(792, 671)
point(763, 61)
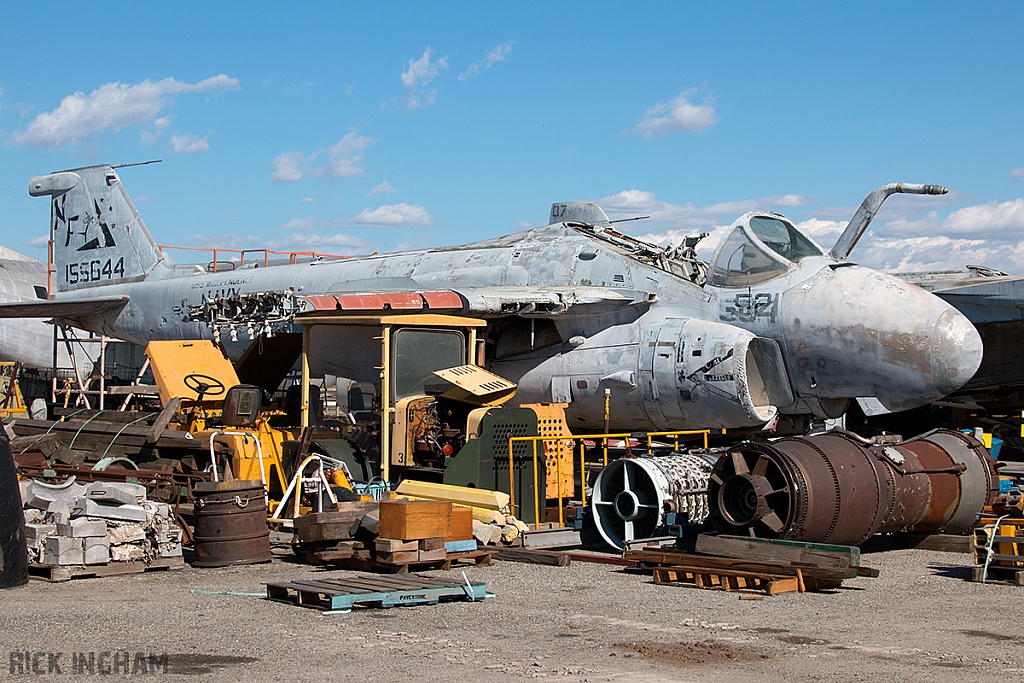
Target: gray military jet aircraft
point(774, 327)
point(31, 343)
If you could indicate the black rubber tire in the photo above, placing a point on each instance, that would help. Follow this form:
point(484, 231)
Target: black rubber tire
point(13, 545)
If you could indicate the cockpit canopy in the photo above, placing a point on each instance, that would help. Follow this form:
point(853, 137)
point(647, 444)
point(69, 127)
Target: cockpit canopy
point(761, 246)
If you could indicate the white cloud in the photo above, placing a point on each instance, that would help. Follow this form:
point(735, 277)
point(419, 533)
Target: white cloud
point(300, 224)
point(678, 114)
point(112, 105)
point(188, 144)
point(348, 244)
point(393, 216)
point(343, 161)
point(149, 138)
point(300, 235)
point(384, 188)
point(286, 167)
point(308, 200)
point(418, 75)
point(496, 54)
point(1017, 173)
point(345, 156)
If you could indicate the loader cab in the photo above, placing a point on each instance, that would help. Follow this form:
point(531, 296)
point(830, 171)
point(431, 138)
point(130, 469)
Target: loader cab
point(423, 371)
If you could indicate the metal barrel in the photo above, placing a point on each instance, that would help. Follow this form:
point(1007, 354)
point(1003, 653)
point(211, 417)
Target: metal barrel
point(231, 524)
point(836, 487)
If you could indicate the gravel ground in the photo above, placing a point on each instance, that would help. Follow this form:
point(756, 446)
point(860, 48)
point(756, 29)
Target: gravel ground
point(921, 620)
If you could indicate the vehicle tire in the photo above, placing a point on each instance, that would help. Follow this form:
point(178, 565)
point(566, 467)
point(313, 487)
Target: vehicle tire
point(13, 546)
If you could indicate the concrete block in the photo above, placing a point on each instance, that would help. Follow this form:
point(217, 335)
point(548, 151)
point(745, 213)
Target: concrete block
point(169, 549)
point(119, 533)
point(168, 534)
point(33, 531)
point(127, 553)
point(59, 510)
point(34, 516)
point(486, 534)
point(97, 550)
point(83, 507)
point(83, 527)
point(109, 493)
point(39, 495)
point(61, 550)
point(157, 509)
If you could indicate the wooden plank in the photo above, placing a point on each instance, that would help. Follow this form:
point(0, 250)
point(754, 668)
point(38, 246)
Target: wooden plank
point(671, 558)
point(431, 543)
point(597, 559)
point(163, 419)
point(767, 550)
point(533, 557)
point(726, 580)
point(57, 574)
point(394, 545)
point(401, 557)
point(945, 543)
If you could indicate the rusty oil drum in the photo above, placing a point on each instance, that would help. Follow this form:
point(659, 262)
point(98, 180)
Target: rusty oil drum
point(231, 524)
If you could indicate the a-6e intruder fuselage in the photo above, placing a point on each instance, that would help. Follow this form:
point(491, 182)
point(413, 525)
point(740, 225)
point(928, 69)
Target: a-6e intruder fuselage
point(775, 326)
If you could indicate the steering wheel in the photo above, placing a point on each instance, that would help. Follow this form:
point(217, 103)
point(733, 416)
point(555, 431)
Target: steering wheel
point(197, 383)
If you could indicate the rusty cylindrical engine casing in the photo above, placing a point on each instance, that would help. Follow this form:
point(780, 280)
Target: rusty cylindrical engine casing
point(836, 487)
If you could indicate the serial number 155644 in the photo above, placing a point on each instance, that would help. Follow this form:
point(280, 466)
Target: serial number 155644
point(93, 271)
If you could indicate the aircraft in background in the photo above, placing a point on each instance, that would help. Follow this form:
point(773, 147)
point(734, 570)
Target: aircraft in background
point(994, 302)
point(775, 327)
point(29, 342)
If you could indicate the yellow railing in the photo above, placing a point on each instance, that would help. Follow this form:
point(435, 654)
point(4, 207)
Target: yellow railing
point(558, 463)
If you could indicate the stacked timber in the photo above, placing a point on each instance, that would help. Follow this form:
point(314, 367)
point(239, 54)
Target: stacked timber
point(740, 563)
point(393, 536)
point(87, 438)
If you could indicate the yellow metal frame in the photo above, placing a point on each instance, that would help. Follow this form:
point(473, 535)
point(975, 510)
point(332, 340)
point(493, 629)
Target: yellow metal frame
point(581, 437)
point(387, 323)
point(12, 389)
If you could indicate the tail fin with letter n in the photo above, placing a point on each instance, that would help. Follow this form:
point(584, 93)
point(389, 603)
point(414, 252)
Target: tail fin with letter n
point(97, 234)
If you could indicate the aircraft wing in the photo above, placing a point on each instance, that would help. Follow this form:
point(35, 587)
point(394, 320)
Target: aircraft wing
point(547, 301)
point(491, 301)
point(62, 309)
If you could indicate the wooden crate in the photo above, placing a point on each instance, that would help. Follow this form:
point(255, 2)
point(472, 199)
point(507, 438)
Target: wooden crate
point(462, 524)
point(410, 520)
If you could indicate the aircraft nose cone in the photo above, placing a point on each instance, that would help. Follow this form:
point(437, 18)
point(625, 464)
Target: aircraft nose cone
point(956, 351)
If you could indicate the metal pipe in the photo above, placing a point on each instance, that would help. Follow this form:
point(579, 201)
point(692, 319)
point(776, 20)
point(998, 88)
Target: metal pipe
point(866, 213)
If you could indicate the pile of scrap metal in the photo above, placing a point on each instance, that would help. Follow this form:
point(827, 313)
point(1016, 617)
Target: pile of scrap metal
point(832, 487)
point(76, 525)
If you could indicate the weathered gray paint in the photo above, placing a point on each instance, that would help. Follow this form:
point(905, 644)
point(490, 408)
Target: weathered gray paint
point(805, 342)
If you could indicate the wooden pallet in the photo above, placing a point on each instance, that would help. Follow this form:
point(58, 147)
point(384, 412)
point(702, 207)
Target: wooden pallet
point(56, 574)
point(814, 577)
point(480, 558)
point(730, 580)
point(341, 595)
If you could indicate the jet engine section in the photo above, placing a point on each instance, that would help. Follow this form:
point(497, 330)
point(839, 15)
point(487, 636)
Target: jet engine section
point(709, 374)
point(835, 487)
point(632, 496)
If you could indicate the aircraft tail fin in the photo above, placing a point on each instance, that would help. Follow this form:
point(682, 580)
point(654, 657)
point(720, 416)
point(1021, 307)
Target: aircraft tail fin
point(98, 236)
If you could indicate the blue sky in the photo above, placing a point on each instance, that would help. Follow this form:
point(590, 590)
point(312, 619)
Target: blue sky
point(350, 128)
